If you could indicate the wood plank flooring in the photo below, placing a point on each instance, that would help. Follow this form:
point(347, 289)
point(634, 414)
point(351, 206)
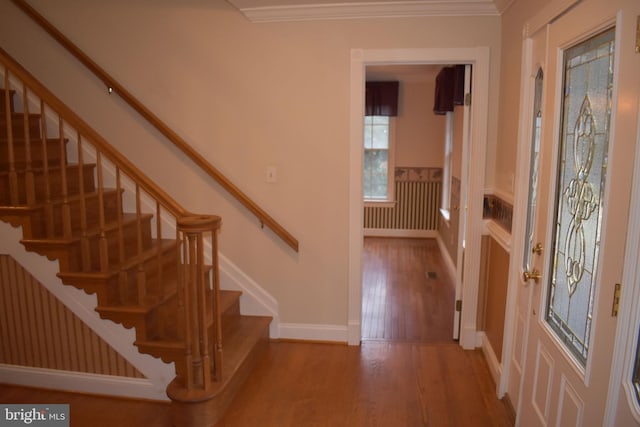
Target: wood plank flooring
point(407, 294)
point(410, 375)
point(380, 384)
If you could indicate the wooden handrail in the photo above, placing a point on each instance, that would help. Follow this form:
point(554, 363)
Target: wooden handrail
point(114, 86)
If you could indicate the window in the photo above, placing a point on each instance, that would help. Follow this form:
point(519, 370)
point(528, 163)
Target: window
point(378, 159)
point(447, 166)
point(533, 171)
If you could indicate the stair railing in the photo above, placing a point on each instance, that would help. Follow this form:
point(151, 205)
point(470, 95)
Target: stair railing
point(47, 179)
point(114, 87)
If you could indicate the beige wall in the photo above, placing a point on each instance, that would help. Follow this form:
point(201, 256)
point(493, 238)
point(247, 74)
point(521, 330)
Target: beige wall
point(513, 20)
point(246, 96)
point(419, 132)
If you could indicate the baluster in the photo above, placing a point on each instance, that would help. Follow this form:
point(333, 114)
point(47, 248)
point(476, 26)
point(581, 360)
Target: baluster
point(194, 311)
point(215, 305)
point(13, 176)
point(140, 276)
point(84, 240)
point(161, 284)
point(200, 300)
point(123, 280)
point(66, 208)
point(203, 311)
point(185, 306)
point(48, 206)
point(104, 244)
point(30, 187)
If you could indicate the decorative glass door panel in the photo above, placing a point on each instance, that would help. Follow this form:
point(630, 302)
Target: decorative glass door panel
point(584, 142)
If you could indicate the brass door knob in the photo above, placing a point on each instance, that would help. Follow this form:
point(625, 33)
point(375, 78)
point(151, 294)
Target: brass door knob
point(533, 274)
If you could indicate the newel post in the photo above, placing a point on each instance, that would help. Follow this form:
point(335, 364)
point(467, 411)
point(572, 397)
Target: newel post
point(198, 320)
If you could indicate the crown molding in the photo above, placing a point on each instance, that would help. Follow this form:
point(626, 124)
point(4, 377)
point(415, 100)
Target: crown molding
point(362, 10)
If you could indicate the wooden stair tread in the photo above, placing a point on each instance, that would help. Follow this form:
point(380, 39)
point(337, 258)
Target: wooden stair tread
point(238, 341)
point(93, 231)
point(165, 245)
point(51, 169)
point(227, 299)
point(26, 209)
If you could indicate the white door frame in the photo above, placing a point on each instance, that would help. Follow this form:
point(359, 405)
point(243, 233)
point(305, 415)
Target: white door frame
point(479, 57)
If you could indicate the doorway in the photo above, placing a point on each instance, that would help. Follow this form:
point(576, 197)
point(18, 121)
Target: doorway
point(479, 58)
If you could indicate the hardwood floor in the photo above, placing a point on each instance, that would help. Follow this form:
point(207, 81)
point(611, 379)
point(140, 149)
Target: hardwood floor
point(383, 384)
point(408, 372)
point(407, 294)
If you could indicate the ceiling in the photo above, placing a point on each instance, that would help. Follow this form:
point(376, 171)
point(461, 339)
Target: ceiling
point(308, 10)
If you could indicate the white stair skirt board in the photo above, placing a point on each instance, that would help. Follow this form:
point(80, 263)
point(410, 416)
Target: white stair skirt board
point(158, 374)
point(82, 382)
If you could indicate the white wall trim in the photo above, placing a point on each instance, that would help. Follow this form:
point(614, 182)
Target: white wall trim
point(504, 195)
point(390, 232)
point(81, 382)
point(254, 300)
point(363, 10)
point(499, 234)
point(82, 305)
point(311, 332)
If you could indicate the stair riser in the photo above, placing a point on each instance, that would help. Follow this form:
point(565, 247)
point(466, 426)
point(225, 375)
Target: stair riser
point(37, 156)
point(38, 223)
point(3, 108)
point(55, 184)
point(17, 126)
point(110, 292)
point(70, 254)
point(160, 277)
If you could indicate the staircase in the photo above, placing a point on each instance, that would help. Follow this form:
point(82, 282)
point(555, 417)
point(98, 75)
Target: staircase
point(152, 264)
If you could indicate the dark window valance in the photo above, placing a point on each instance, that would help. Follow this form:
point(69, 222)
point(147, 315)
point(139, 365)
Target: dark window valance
point(449, 89)
point(381, 99)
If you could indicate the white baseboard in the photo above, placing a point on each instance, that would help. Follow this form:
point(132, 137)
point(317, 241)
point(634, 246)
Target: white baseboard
point(384, 232)
point(311, 332)
point(354, 332)
point(82, 382)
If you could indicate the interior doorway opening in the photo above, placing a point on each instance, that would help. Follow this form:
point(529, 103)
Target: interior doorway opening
point(360, 59)
point(414, 129)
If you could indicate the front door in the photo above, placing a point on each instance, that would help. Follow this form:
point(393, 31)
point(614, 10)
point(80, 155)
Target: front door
point(587, 147)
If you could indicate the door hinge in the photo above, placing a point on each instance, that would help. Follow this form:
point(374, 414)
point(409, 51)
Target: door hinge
point(467, 98)
point(616, 300)
point(459, 305)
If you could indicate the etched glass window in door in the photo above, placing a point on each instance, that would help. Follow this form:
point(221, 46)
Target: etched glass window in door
point(533, 170)
point(582, 167)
